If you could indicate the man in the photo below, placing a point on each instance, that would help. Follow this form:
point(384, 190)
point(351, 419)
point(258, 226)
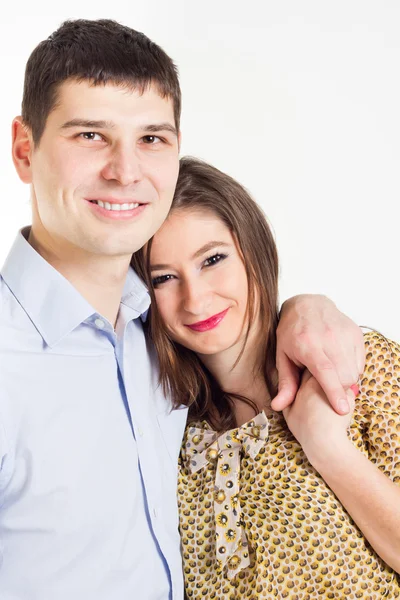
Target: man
point(88, 446)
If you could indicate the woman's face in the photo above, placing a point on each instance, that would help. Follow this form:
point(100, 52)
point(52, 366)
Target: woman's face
point(199, 281)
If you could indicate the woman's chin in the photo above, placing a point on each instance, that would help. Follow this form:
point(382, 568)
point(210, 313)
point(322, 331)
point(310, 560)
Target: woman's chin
point(209, 343)
point(210, 348)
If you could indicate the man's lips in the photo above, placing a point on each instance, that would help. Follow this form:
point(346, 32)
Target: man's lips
point(114, 199)
point(116, 209)
point(208, 323)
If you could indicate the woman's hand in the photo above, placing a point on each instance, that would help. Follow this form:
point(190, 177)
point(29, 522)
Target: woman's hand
point(314, 423)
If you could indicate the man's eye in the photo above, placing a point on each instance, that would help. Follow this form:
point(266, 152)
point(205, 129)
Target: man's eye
point(156, 281)
point(90, 135)
point(151, 139)
point(213, 260)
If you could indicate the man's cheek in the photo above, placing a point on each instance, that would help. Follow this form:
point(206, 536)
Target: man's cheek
point(167, 174)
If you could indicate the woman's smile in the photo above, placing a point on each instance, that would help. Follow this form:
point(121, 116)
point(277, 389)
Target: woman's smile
point(200, 282)
point(209, 323)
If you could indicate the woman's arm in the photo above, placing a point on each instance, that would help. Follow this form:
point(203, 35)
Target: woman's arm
point(369, 496)
point(367, 487)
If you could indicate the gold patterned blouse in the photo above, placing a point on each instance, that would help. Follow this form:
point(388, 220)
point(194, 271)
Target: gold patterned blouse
point(258, 521)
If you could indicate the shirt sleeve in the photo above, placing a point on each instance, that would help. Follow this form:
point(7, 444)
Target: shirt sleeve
point(379, 404)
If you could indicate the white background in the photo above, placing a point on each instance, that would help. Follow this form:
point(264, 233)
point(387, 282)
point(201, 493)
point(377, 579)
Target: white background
point(299, 100)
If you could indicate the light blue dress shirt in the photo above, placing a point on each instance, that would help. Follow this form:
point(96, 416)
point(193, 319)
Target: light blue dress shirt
point(88, 445)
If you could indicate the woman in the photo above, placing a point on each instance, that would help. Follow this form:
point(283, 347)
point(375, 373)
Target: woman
point(304, 504)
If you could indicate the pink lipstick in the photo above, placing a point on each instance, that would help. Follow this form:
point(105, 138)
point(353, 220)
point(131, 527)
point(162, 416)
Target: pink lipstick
point(208, 323)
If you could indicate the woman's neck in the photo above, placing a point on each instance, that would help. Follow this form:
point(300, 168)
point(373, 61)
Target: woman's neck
point(246, 378)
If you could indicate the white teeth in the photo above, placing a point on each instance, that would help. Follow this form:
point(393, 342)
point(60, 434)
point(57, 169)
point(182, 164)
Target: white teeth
point(117, 207)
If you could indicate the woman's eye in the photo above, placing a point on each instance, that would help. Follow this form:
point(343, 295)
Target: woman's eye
point(156, 281)
point(213, 260)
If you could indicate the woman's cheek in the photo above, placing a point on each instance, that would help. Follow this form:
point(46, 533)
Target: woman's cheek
point(166, 308)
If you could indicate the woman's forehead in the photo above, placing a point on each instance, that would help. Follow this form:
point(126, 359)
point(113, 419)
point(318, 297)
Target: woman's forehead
point(185, 231)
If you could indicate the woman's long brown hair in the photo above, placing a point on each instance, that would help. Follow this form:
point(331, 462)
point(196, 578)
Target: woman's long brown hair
point(182, 375)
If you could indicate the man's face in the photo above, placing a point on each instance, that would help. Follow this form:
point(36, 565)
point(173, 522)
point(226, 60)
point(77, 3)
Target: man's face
point(105, 170)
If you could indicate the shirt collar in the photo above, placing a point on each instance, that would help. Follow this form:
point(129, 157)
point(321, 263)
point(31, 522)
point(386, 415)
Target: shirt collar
point(51, 302)
point(135, 295)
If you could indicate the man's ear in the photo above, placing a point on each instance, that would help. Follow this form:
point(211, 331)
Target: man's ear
point(179, 141)
point(22, 146)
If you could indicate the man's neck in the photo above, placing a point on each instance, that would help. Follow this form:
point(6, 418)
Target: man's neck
point(99, 279)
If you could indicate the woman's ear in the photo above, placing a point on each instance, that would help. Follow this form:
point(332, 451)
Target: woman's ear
point(22, 145)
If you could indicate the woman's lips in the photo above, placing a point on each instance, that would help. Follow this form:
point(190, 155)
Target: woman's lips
point(208, 323)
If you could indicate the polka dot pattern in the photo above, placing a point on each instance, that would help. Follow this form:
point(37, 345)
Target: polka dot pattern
point(224, 452)
point(302, 544)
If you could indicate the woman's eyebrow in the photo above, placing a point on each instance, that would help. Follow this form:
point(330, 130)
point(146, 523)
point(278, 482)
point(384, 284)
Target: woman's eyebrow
point(159, 267)
point(207, 247)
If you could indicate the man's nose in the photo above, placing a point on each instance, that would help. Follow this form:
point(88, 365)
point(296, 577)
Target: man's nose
point(123, 166)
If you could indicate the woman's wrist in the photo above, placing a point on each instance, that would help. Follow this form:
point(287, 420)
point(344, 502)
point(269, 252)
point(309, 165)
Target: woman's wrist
point(328, 452)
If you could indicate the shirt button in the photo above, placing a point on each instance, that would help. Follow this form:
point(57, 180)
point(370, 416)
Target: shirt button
point(155, 513)
point(99, 323)
point(140, 432)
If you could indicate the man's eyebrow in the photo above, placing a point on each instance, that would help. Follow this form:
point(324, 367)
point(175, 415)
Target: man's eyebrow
point(206, 248)
point(88, 124)
point(155, 127)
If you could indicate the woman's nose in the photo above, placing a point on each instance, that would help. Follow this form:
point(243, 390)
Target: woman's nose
point(196, 298)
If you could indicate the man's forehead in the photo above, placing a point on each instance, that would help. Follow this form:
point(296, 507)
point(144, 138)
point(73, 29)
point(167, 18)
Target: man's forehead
point(96, 101)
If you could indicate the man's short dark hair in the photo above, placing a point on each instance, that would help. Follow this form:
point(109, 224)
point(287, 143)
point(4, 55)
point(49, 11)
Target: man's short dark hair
point(101, 52)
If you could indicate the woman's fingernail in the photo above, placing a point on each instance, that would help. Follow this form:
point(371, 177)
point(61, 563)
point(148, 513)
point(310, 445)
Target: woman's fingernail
point(343, 406)
point(355, 389)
